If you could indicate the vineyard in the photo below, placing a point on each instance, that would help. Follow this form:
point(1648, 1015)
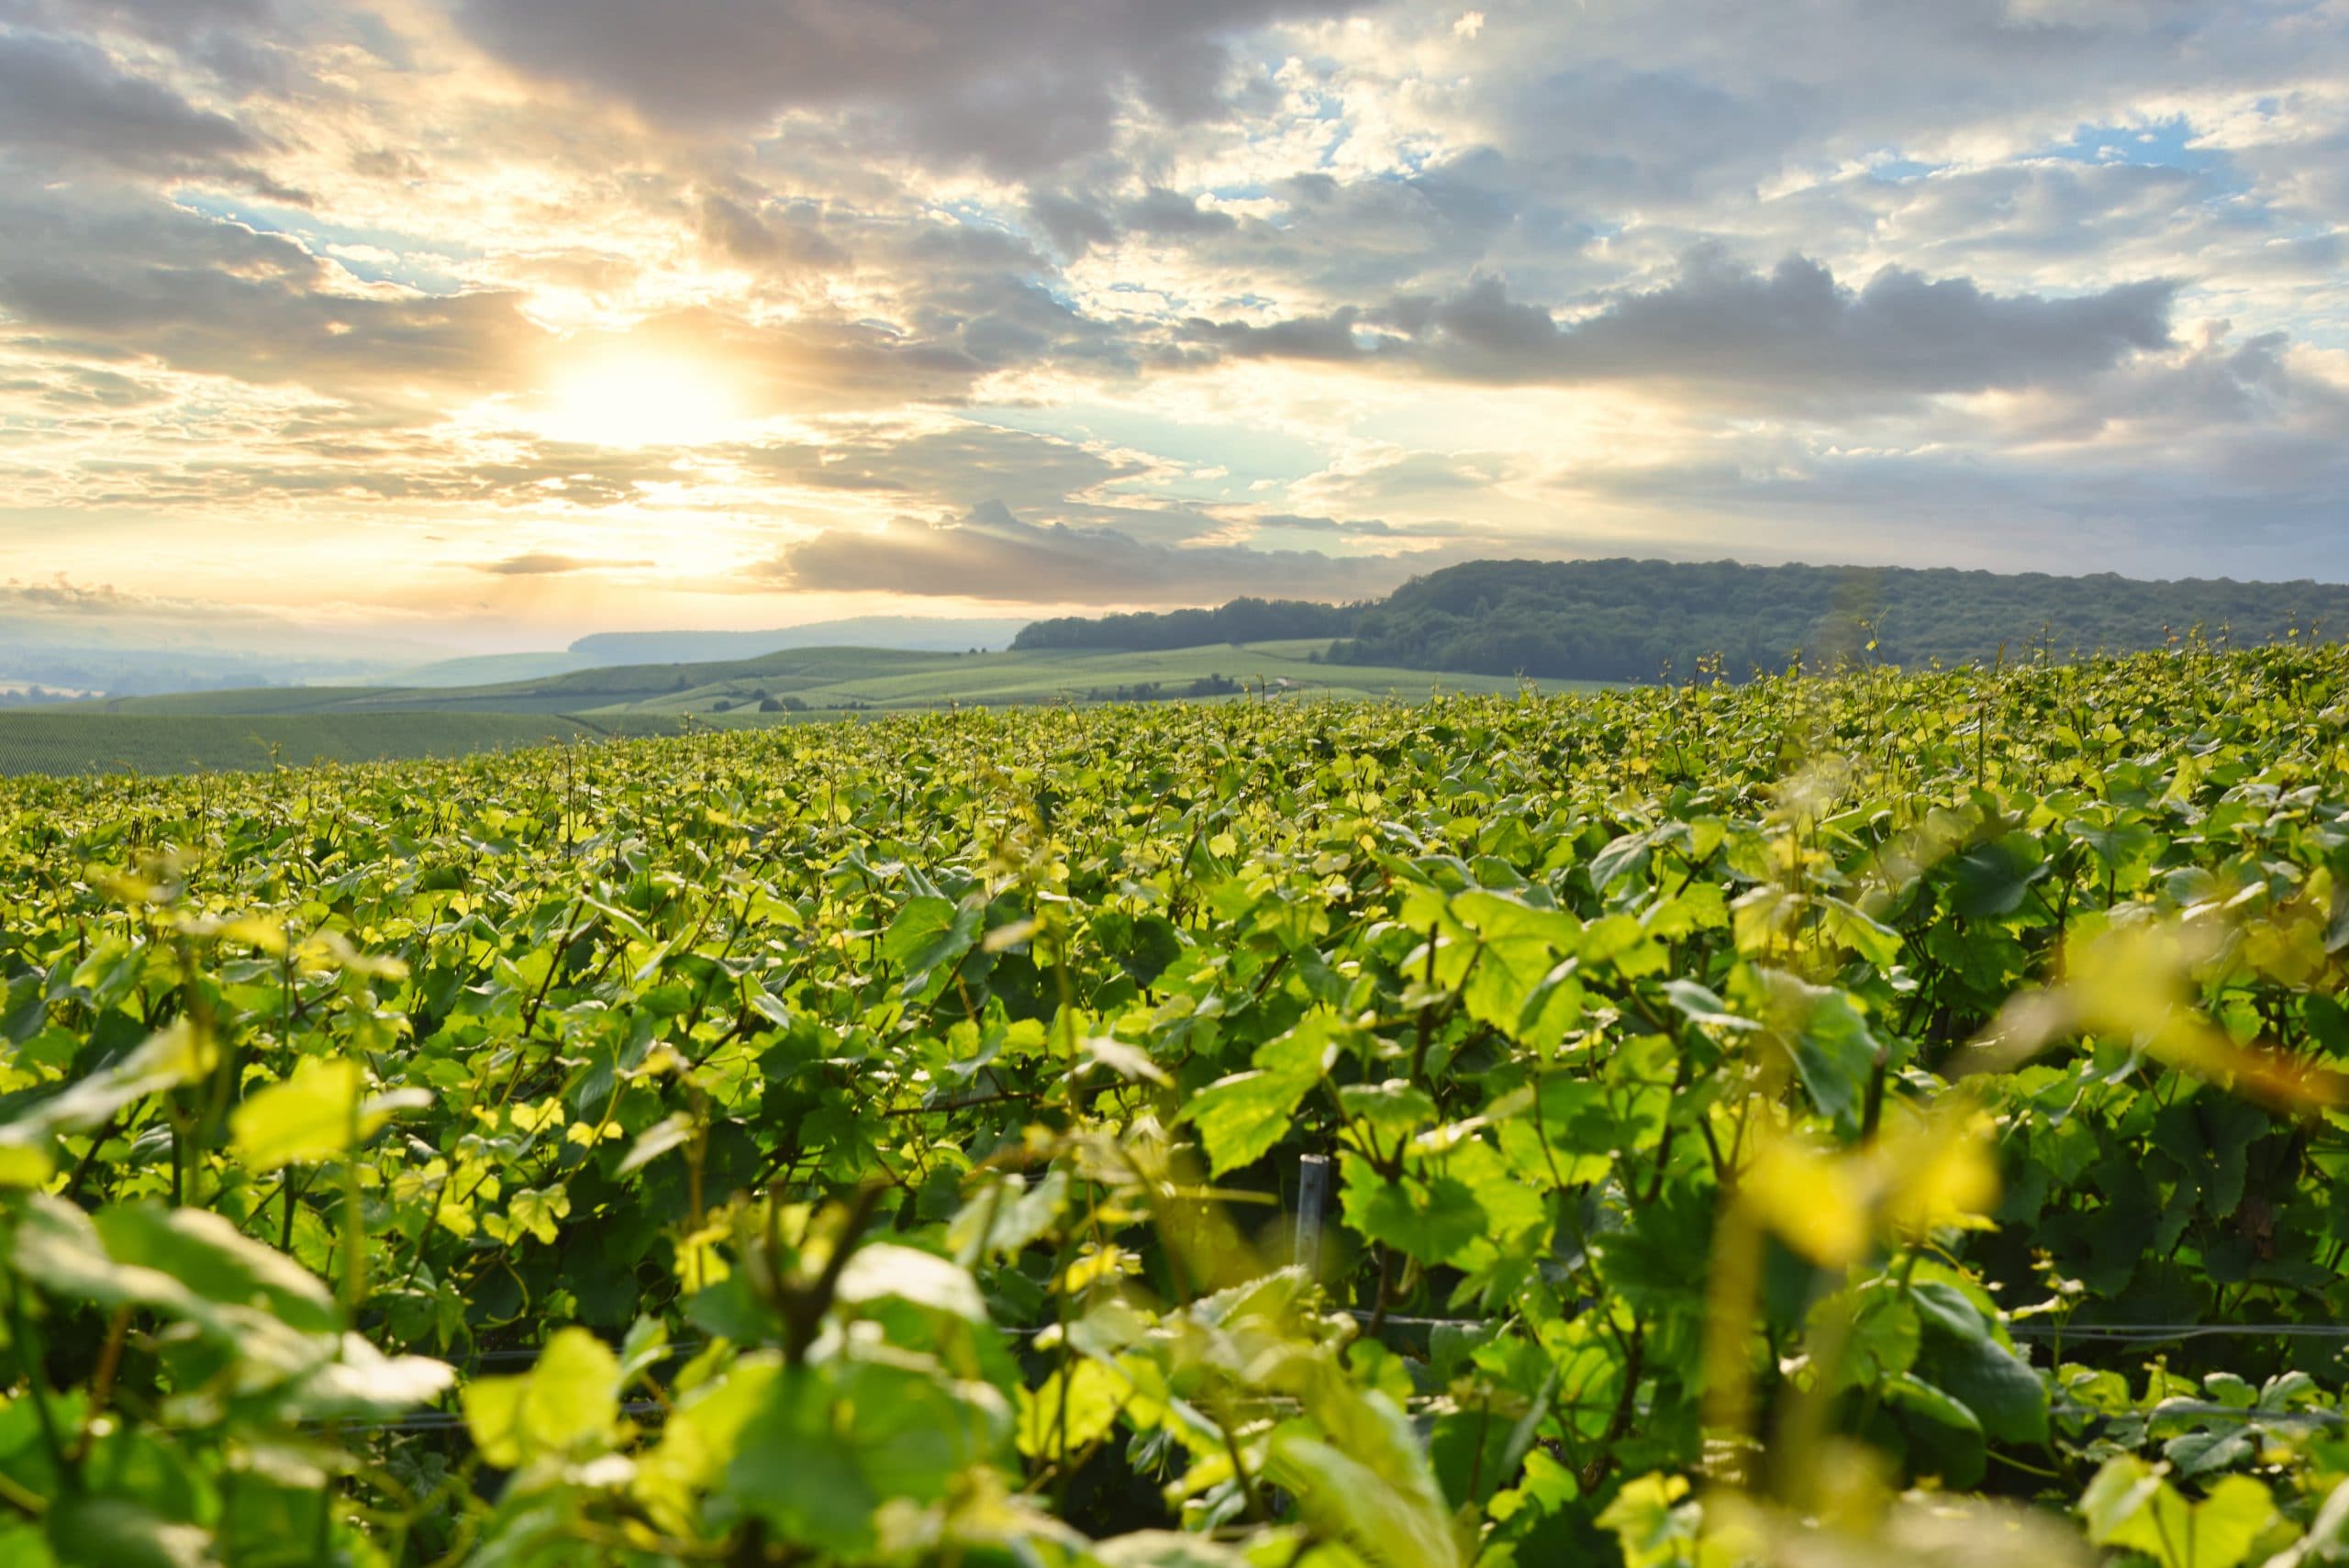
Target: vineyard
point(1890, 1118)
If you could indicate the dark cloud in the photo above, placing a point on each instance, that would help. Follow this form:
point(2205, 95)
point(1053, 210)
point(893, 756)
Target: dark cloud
point(1074, 223)
point(1344, 238)
point(1705, 100)
point(159, 282)
point(1299, 523)
point(1329, 338)
point(158, 18)
point(63, 100)
point(769, 237)
point(1014, 86)
point(1610, 131)
point(991, 554)
point(956, 468)
point(1165, 214)
point(1791, 331)
point(2224, 458)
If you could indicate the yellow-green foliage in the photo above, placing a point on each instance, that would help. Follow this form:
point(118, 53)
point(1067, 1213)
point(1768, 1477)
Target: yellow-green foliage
point(1891, 1119)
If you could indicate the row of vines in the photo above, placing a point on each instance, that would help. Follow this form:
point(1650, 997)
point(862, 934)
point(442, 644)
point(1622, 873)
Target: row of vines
point(1834, 1121)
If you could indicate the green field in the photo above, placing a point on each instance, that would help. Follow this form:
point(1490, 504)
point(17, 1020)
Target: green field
point(210, 731)
point(82, 742)
point(846, 679)
point(1885, 1121)
point(487, 669)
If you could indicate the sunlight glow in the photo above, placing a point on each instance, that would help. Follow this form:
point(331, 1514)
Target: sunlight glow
point(640, 400)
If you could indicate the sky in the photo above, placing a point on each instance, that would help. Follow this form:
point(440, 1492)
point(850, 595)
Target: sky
point(488, 323)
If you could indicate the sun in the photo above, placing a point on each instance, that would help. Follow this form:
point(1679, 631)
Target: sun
point(640, 400)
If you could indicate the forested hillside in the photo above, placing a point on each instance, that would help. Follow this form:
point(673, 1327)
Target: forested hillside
point(1242, 620)
point(1630, 621)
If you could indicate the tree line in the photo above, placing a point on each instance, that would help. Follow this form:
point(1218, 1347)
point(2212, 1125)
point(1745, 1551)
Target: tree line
point(1631, 620)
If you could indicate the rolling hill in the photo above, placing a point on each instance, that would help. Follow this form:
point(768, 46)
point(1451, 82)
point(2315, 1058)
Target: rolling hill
point(257, 728)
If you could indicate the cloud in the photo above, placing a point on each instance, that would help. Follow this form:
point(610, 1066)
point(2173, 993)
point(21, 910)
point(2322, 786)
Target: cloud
point(1791, 331)
point(62, 597)
point(1501, 290)
point(543, 563)
point(2223, 457)
point(1010, 85)
point(64, 101)
point(956, 467)
point(218, 298)
point(991, 554)
point(1297, 522)
point(769, 236)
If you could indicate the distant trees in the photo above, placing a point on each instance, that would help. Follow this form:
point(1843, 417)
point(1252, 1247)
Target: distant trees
point(1636, 620)
point(1628, 621)
point(1242, 620)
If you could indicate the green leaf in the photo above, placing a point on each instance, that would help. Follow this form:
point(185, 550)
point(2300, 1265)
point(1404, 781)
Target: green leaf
point(1617, 859)
point(1655, 1521)
point(1834, 1054)
point(58, 1248)
point(670, 1132)
point(171, 1056)
point(208, 1256)
point(2125, 849)
point(1944, 1440)
point(24, 1163)
point(1993, 879)
point(645, 1346)
point(1391, 1110)
point(1068, 1410)
point(2130, 1505)
point(1341, 1495)
point(114, 1533)
point(363, 1383)
point(1960, 1353)
point(881, 1269)
point(538, 1211)
point(311, 1116)
point(1007, 1214)
point(1131, 1062)
point(830, 1444)
point(2327, 1541)
point(563, 1408)
point(1429, 1219)
point(1699, 1005)
point(1241, 1116)
point(1847, 924)
point(794, 1467)
point(1511, 1207)
point(1881, 1329)
point(928, 934)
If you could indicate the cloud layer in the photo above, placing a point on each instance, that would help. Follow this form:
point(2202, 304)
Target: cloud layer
point(1792, 331)
point(467, 314)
